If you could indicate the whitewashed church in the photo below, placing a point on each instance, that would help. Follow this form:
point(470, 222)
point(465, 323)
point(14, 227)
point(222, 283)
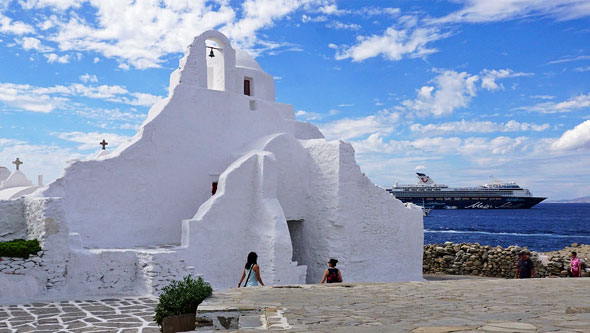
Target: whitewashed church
point(217, 170)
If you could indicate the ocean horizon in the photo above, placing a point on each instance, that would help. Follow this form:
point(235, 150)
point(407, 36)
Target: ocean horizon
point(545, 227)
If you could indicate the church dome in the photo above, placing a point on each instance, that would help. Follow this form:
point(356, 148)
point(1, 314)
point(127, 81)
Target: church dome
point(243, 59)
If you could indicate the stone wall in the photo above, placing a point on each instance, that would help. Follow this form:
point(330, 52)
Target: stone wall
point(9, 265)
point(485, 260)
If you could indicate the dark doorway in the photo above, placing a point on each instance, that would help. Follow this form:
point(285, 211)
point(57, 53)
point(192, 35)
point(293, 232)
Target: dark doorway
point(247, 91)
point(296, 233)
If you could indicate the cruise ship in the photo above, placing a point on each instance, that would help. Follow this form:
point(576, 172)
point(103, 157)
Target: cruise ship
point(496, 195)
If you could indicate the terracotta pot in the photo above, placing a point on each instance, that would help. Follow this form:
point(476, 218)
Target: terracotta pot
point(179, 323)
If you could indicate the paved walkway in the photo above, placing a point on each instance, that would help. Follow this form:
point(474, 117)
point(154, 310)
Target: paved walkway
point(125, 314)
point(497, 305)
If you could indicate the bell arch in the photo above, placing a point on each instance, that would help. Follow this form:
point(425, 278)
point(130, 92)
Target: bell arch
point(216, 60)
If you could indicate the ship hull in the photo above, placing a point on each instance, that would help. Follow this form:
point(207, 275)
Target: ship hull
point(474, 203)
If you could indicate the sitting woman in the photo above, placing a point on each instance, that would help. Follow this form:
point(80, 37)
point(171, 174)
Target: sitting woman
point(332, 274)
point(252, 280)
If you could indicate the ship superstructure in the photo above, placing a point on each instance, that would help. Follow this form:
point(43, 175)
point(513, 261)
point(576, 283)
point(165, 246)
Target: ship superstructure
point(495, 195)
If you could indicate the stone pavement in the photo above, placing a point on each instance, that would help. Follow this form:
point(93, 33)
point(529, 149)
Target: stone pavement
point(465, 305)
point(125, 314)
point(494, 305)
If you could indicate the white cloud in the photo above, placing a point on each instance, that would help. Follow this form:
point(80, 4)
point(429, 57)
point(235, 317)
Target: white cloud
point(576, 138)
point(17, 28)
point(58, 4)
point(546, 97)
point(52, 57)
point(24, 97)
point(112, 118)
point(46, 99)
point(139, 99)
point(91, 140)
point(579, 102)
point(582, 69)
point(471, 148)
point(453, 90)
point(343, 26)
point(382, 123)
point(45, 25)
point(375, 11)
point(140, 33)
point(478, 11)
point(30, 43)
point(569, 59)
point(331, 9)
point(308, 116)
point(464, 126)
point(396, 42)
point(320, 18)
point(489, 77)
point(88, 78)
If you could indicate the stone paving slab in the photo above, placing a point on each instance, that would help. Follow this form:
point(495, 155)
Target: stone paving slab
point(494, 305)
point(124, 315)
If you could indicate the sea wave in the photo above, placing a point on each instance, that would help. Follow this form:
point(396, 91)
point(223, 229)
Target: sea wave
point(504, 233)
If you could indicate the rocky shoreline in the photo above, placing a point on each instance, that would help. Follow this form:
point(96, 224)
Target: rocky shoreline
point(484, 260)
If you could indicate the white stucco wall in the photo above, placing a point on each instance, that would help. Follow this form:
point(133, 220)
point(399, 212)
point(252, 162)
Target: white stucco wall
point(12, 220)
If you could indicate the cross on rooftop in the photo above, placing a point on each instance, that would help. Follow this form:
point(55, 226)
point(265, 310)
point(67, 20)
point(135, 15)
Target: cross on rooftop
point(104, 144)
point(17, 162)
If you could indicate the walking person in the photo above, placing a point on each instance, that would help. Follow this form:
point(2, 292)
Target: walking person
point(332, 274)
point(575, 269)
point(525, 269)
point(251, 272)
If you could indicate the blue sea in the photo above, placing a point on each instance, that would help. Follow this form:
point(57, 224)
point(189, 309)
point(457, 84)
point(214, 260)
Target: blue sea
point(545, 227)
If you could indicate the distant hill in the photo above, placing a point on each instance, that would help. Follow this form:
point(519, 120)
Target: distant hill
point(576, 200)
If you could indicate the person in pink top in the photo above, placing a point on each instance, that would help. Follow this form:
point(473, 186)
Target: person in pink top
point(575, 269)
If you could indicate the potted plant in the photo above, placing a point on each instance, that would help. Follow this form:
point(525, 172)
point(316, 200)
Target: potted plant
point(177, 306)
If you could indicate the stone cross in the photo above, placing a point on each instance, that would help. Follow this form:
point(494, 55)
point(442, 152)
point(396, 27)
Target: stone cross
point(17, 162)
point(103, 144)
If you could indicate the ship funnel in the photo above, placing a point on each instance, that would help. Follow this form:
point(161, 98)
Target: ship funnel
point(424, 179)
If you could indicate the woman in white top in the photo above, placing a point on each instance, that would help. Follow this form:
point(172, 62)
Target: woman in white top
point(251, 267)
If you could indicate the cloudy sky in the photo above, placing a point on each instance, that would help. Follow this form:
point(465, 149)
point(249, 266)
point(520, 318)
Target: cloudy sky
point(460, 89)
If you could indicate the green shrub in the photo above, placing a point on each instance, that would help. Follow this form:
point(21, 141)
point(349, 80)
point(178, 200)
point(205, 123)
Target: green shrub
point(181, 297)
point(19, 248)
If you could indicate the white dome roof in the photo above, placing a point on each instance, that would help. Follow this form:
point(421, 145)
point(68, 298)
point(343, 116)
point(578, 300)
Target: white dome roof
point(243, 59)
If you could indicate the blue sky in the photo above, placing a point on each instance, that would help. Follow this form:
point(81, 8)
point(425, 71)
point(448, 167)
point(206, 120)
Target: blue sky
point(459, 89)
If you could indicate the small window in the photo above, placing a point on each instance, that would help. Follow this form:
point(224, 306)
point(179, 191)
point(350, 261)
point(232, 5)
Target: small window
point(247, 90)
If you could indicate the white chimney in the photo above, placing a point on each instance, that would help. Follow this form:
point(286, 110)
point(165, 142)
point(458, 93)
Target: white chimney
point(40, 180)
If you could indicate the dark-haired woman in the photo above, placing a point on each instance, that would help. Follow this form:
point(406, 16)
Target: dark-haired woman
point(332, 274)
point(251, 272)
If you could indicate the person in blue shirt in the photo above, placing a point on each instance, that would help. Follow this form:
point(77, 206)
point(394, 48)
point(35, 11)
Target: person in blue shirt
point(251, 272)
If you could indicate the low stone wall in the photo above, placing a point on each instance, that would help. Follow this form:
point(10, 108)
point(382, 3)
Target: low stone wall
point(9, 265)
point(485, 260)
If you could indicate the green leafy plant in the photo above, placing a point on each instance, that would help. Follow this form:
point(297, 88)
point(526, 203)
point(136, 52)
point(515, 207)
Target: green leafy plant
point(19, 248)
point(181, 297)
